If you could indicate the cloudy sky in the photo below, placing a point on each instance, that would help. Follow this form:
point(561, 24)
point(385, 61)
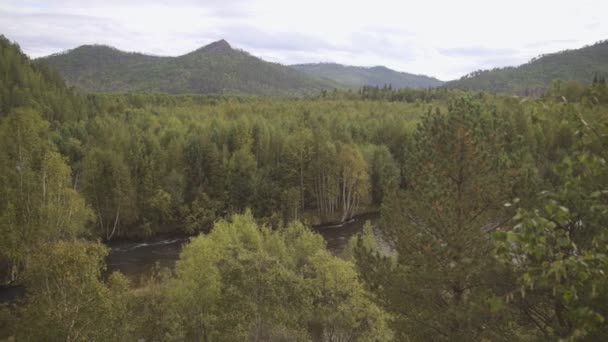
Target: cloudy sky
point(446, 39)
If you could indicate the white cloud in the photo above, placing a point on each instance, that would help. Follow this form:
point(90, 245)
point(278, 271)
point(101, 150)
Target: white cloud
point(441, 38)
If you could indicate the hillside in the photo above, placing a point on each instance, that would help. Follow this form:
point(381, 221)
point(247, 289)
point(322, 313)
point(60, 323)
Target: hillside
point(537, 75)
point(28, 84)
point(355, 77)
point(215, 68)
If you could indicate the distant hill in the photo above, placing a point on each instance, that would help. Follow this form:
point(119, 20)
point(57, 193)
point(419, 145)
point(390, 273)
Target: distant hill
point(355, 77)
point(538, 74)
point(215, 68)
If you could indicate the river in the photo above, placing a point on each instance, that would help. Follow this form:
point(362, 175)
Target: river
point(134, 259)
point(137, 259)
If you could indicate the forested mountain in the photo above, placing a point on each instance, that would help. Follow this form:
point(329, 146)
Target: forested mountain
point(534, 77)
point(215, 68)
point(356, 77)
point(493, 212)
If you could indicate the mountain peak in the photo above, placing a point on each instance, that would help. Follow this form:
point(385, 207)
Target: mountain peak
point(94, 47)
point(219, 46)
point(214, 68)
point(88, 49)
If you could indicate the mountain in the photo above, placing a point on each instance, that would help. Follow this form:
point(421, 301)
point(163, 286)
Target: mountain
point(355, 77)
point(538, 74)
point(215, 68)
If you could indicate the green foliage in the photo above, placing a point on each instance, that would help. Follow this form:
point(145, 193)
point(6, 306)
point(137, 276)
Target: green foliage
point(569, 91)
point(68, 301)
point(107, 185)
point(215, 68)
point(150, 318)
point(558, 250)
point(38, 202)
point(459, 170)
point(355, 77)
point(168, 166)
point(410, 95)
point(535, 77)
point(364, 241)
point(383, 172)
point(245, 282)
point(598, 92)
point(149, 163)
point(242, 168)
point(27, 84)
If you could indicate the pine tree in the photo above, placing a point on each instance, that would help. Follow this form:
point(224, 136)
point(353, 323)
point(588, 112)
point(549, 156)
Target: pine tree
point(460, 169)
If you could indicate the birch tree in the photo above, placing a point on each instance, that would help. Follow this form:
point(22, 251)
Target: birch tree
point(37, 199)
point(354, 179)
point(108, 187)
point(67, 299)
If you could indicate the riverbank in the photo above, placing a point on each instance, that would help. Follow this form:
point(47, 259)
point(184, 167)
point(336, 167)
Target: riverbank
point(136, 259)
point(308, 217)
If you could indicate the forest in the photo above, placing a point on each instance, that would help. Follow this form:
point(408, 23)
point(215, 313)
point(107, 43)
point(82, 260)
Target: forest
point(536, 76)
point(213, 68)
point(493, 212)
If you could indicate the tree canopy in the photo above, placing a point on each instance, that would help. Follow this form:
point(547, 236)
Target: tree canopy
point(493, 213)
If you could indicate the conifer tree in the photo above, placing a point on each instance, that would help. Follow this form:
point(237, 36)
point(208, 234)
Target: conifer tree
point(460, 169)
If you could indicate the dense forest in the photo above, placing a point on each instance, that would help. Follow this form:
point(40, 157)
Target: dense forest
point(214, 68)
point(219, 68)
point(493, 213)
point(578, 66)
point(357, 77)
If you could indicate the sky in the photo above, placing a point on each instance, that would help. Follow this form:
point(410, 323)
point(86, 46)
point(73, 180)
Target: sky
point(445, 39)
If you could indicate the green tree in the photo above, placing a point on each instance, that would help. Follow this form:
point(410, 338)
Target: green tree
point(245, 282)
point(241, 178)
point(25, 83)
point(354, 179)
point(204, 169)
point(67, 301)
point(107, 185)
point(299, 154)
point(460, 169)
point(342, 310)
point(383, 172)
point(325, 179)
point(145, 171)
point(570, 90)
point(38, 202)
point(558, 250)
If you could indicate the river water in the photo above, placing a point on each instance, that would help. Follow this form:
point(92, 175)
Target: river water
point(137, 259)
